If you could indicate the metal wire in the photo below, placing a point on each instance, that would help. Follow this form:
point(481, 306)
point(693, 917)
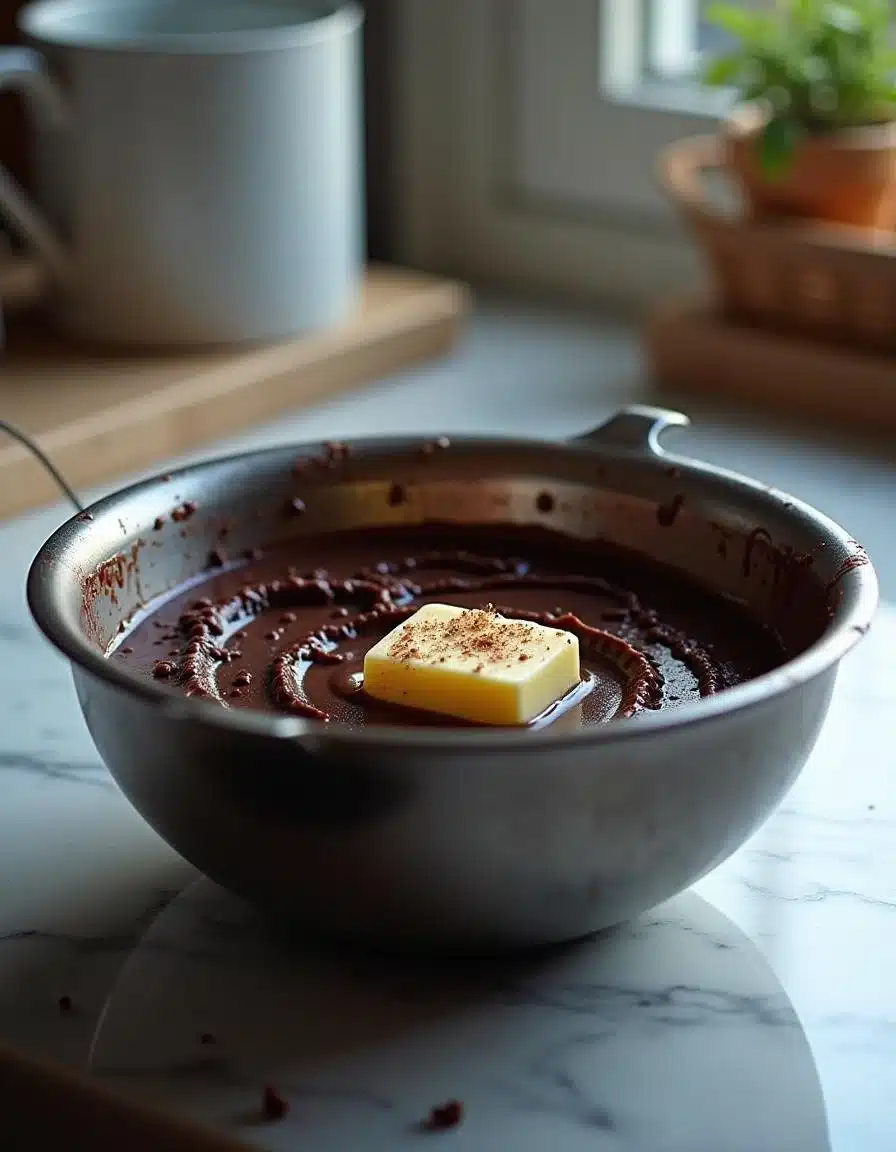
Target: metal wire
point(42, 458)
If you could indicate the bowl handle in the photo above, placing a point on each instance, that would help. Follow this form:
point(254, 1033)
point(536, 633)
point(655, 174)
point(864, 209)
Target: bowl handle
point(637, 428)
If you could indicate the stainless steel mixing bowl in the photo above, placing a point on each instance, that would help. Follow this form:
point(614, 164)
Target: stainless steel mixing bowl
point(470, 838)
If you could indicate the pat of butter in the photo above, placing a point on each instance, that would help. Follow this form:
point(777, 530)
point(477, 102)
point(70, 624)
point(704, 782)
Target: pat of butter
point(473, 665)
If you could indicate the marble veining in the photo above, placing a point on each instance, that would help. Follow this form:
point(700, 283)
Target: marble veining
point(754, 1014)
point(670, 1032)
point(90, 773)
point(759, 1014)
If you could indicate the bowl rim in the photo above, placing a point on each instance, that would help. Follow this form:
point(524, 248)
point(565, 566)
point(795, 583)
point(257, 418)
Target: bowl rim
point(851, 619)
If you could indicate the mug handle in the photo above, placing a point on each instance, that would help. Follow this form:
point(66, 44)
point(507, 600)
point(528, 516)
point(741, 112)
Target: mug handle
point(25, 70)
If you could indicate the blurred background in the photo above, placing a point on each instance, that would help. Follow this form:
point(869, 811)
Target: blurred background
point(514, 146)
point(537, 258)
point(635, 67)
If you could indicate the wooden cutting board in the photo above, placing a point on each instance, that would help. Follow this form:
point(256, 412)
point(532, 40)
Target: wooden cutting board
point(99, 415)
point(48, 1107)
point(694, 349)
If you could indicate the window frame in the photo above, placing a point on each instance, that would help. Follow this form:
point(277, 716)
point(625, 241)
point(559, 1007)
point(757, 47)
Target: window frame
point(463, 209)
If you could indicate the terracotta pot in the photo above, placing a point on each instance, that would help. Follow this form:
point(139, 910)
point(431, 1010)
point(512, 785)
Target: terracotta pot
point(844, 177)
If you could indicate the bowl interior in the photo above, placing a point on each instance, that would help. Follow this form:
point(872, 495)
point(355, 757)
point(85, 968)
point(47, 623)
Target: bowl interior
point(795, 570)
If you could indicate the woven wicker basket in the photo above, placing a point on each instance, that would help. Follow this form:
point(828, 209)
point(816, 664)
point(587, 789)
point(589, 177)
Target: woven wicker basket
point(833, 281)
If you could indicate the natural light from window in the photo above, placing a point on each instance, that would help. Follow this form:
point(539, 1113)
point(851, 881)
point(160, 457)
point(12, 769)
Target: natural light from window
point(651, 52)
point(678, 34)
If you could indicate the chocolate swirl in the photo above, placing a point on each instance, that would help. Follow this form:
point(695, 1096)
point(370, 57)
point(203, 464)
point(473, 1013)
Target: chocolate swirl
point(317, 627)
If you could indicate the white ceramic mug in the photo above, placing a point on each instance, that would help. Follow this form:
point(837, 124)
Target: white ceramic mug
point(199, 166)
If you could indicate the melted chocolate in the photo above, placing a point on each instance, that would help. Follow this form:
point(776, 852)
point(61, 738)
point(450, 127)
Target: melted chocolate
point(277, 634)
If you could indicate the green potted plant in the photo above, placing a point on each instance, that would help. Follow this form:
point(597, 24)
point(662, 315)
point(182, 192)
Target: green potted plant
point(815, 132)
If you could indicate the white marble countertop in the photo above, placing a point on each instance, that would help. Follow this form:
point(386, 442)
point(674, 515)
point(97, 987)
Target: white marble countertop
point(756, 1014)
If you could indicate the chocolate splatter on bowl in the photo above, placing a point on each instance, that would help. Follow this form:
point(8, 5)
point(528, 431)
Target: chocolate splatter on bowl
point(372, 828)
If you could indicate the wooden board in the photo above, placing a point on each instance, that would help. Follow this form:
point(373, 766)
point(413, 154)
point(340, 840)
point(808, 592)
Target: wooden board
point(100, 414)
point(49, 1107)
point(694, 349)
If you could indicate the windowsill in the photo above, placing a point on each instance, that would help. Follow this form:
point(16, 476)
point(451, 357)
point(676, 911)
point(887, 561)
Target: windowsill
point(682, 97)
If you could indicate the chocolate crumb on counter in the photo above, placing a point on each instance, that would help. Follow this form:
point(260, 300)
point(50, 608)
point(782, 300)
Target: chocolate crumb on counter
point(545, 502)
point(274, 1106)
point(158, 524)
point(444, 1116)
point(217, 558)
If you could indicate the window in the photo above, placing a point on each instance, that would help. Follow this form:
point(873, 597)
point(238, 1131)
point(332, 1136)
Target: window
point(604, 86)
point(532, 130)
point(677, 35)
